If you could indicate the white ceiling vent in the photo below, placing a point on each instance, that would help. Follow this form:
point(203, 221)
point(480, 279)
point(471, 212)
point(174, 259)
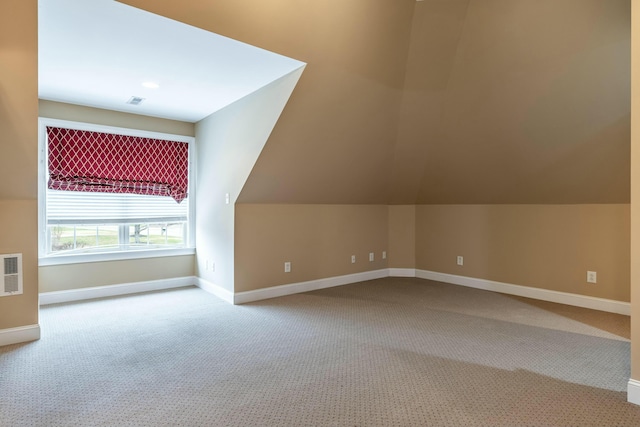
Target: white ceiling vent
point(10, 274)
point(135, 100)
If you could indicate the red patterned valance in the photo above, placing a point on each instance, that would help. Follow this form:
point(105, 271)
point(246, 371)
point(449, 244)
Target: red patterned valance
point(109, 163)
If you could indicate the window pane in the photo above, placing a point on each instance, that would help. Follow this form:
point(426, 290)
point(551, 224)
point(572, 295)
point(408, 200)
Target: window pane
point(157, 234)
point(107, 235)
point(176, 233)
point(138, 234)
point(62, 238)
point(86, 236)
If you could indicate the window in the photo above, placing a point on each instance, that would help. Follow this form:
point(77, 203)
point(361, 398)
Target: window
point(110, 193)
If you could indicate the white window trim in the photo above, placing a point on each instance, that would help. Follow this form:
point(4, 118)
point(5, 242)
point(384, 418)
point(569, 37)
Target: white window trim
point(45, 260)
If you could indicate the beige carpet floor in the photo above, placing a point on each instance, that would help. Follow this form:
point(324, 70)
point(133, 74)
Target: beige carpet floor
point(389, 352)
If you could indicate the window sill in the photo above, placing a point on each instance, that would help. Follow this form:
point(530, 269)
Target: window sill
point(112, 256)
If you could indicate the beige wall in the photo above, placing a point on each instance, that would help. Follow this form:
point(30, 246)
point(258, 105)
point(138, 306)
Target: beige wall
point(73, 276)
point(18, 235)
point(79, 113)
point(318, 240)
point(89, 274)
point(19, 154)
point(402, 236)
point(542, 246)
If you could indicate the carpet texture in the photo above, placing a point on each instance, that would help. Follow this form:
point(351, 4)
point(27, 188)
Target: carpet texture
point(388, 352)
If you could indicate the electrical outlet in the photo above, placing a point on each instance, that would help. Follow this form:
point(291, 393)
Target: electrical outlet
point(384, 254)
point(460, 260)
point(592, 277)
point(353, 259)
point(287, 267)
point(371, 256)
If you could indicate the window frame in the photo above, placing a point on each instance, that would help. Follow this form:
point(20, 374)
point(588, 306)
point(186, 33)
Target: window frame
point(45, 258)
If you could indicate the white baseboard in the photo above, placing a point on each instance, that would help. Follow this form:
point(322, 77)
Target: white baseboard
point(114, 290)
point(312, 285)
point(633, 392)
point(214, 289)
point(593, 303)
point(402, 272)
point(294, 288)
point(19, 335)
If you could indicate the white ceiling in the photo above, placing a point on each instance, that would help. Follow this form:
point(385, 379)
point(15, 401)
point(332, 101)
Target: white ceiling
point(99, 52)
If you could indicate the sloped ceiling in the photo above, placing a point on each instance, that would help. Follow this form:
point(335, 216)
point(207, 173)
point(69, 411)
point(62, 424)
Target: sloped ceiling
point(531, 103)
point(439, 101)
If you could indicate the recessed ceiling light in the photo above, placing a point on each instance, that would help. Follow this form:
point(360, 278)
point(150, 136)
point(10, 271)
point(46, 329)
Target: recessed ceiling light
point(151, 85)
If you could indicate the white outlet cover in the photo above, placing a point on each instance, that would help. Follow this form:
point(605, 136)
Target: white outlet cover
point(353, 259)
point(287, 267)
point(371, 256)
point(460, 260)
point(384, 254)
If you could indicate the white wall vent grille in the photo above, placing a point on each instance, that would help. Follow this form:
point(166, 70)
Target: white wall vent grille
point(10, 274)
